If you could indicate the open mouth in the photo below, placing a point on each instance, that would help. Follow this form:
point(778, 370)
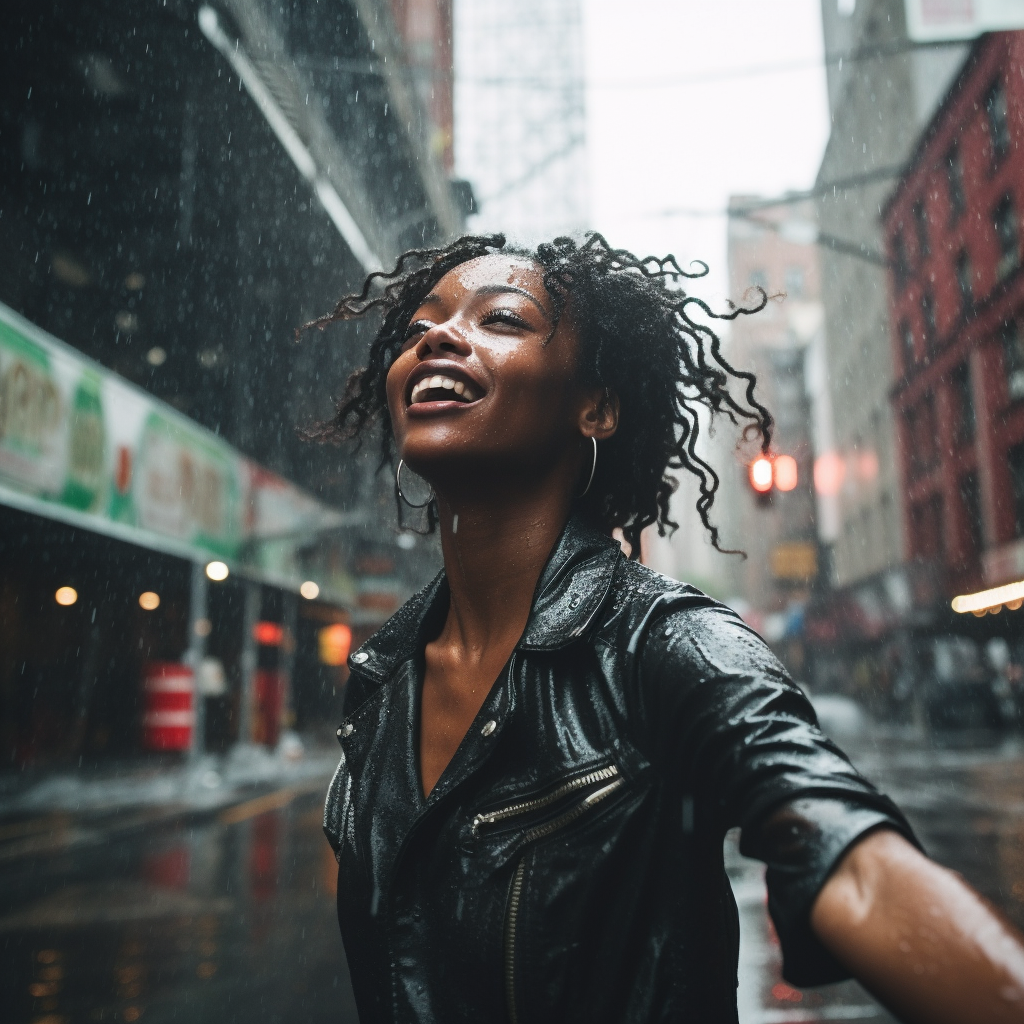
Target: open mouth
point(443, 388)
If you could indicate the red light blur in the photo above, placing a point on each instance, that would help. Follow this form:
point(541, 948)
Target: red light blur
point(269, 634)
point(335, 643)
point(785, 473)
point(829, 473)
point(761, 475)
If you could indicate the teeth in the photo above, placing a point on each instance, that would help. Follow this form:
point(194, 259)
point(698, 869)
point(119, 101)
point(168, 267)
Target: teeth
point(445, 384)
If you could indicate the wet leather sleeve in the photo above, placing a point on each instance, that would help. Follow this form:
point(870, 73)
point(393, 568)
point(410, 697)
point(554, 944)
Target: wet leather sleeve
point(802, 842)
point(721, 714)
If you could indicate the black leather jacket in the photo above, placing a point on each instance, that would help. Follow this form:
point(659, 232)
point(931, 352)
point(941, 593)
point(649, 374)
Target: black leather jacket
point(568, 865)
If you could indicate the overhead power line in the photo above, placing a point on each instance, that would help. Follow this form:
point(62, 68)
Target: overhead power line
point(838, 59)
point(826, 188)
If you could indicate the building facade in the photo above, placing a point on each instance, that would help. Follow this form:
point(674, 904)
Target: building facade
point(881, 93)
point(770, 248)
point(181, 185)
point(953, 238)
point(521, 114)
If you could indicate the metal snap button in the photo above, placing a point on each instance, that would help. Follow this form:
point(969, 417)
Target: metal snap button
point(359, 657)
point(489, 727)
point(575, 602)
point(347, 729)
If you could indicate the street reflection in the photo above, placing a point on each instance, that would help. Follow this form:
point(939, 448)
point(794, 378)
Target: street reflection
point(231, 918)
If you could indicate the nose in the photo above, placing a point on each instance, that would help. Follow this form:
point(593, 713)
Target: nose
point(443, 339)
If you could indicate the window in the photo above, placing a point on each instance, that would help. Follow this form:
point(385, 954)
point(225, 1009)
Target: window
point(921, 229)
point(1016, 459)
point(759, 279)
point(1013, 360)
point(963, 280)
point(1004, 218)
point(963, 403)
point(920, 428)
point(931, 329)
point(928, 432)
point(998, 121)
point(927, 522)
point(907, 344)
point(955, 179)
point(795, 282)
point(910, 433)
point(901, 266)
point(970, 498)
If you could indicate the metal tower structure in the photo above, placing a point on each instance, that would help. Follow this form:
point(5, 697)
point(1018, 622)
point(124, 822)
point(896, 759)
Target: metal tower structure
point(520, 131)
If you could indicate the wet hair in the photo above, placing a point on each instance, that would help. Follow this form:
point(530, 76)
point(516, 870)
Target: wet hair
point(637, 338)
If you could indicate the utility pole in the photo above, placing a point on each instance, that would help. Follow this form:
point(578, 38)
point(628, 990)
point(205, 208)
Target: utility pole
point(198, 628)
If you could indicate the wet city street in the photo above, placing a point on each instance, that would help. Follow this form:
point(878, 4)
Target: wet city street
point(230, 917)
point(221, 920)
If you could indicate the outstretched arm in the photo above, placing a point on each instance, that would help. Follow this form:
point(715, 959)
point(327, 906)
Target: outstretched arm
point(920, 939)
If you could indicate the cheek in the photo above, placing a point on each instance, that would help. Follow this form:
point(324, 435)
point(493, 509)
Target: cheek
point(541, 385)
point(396, 375)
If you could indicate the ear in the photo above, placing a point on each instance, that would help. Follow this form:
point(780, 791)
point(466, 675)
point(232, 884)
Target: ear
point(599, 416)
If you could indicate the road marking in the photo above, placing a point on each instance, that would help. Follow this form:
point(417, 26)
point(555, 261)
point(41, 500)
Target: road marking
point(819, 1014)
point(262, 804)
point(34, 825)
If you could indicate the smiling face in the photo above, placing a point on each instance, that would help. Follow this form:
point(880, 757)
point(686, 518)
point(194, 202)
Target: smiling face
point(482, 385)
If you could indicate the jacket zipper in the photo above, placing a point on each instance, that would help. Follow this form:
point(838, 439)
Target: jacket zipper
point(525, 806)
point(533, 834)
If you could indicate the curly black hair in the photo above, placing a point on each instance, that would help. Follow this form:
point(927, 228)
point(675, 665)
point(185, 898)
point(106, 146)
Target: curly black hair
point(636, 338)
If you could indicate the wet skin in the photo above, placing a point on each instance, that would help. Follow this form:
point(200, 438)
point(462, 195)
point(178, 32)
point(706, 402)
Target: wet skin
point(504, 466)
point(505, 457)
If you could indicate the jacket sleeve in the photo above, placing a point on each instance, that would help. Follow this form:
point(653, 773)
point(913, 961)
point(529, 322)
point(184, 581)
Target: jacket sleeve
point(723, 717)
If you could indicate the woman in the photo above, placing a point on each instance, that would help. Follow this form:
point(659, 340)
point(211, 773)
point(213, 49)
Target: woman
point(543, 750)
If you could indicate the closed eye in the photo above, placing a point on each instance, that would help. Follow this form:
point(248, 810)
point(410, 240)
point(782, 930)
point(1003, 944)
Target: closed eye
point(416, 328)
point(505, 316)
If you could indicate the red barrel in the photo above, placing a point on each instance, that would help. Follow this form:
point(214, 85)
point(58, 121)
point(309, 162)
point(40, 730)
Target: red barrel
point(268, 691)
point(168, 716)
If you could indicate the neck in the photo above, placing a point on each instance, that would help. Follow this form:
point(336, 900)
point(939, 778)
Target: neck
point(494, 552)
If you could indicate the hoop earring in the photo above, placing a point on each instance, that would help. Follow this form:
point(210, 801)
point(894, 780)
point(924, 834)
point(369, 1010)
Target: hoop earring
point(401, 493)
point(593, 467)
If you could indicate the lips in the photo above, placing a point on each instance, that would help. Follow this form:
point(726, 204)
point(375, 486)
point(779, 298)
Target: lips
point(450, 386)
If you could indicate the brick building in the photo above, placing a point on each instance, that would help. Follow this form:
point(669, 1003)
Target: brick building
point(952, 229)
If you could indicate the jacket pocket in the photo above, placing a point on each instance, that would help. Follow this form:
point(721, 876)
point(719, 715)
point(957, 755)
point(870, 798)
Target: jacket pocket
point(596, 781)
point(578, 797)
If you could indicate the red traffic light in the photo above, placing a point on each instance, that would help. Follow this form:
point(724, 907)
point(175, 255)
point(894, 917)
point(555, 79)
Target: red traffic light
point(773, 471)
point(761, 474)
point(785, 473)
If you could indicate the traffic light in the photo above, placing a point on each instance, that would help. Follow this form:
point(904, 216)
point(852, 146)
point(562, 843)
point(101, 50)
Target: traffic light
point(761, 474)
point(769, 473)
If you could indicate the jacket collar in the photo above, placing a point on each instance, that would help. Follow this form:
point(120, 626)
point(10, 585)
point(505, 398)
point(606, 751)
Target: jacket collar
point(570, 592)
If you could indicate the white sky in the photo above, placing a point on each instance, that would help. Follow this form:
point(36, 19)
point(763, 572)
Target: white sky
point(654, 146)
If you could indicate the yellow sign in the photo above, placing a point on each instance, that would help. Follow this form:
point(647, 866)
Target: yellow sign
point(797, 560)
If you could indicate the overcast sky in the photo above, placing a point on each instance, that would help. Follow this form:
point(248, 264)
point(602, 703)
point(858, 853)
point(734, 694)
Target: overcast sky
point(658, 142)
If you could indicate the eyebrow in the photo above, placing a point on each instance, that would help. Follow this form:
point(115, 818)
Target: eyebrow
point(495, 289)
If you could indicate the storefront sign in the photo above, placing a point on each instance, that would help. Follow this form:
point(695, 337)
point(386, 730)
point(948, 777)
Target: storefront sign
point(1004, 564)
point(931, 21)
point(75, 436)
point(796, 561)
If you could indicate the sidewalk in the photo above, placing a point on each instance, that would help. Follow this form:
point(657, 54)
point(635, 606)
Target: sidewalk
point(71, 808)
